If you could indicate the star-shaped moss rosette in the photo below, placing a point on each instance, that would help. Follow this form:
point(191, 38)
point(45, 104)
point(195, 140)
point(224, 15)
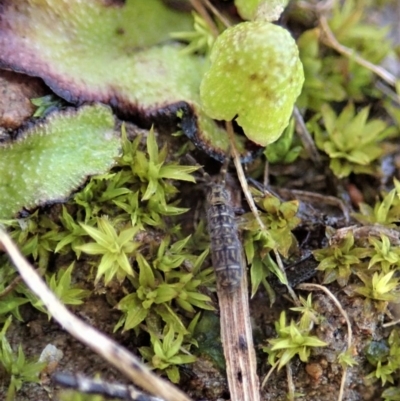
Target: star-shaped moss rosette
point(255, 78)
point(46, 163)
point(100, 51)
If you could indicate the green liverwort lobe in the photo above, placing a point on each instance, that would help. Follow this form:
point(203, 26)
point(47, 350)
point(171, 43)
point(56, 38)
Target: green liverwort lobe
point(47, 162)
point(255, 76)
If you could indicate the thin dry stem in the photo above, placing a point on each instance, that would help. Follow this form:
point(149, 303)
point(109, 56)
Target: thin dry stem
point(241, 176)
point(364, 232)
point(266, 175)
point(393, 323)
point(118, 356)
point(237, 342)
point(268, 375)
point(315, 197)
point(289, 288)
point(291, 388)
point(89, 385)
point(305, 137)
point(329, 39)
point(216, 12)
point(201, 10)
point(311, 287)
point(10, 286)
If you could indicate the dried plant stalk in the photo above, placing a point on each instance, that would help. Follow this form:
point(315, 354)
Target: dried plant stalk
point(237, 341)
point(116, 355)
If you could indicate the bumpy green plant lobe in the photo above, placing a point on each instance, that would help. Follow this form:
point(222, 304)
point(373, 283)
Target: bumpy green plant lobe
point(255, 77)
point(51, 160)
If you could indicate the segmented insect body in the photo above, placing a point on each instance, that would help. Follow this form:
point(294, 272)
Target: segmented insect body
point(226, 251)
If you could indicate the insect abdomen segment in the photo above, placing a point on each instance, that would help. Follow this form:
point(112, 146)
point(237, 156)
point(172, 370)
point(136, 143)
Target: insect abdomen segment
point(226, 250)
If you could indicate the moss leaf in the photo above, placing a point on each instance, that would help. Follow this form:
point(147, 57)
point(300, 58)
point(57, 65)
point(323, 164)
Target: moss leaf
point(46, 163)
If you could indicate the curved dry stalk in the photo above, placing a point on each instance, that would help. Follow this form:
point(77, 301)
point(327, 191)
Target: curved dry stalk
point(10, 286)
point(89, 385)
point(291, 388)
point(365, 232)
point(311, 287)
point(393, 323)
point(241, 176)
point(119, 357)
point(216, 12)
point(267, 376)
point(305, 137)
point(201, 10)
point(237, 343)
point(329, 39)
point(315, 197)
point(293, 295)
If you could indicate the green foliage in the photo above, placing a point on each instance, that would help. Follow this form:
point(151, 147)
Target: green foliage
point(334, 77)
point(385, 212)
point(53, 158)
point(72, 234)
point(116, 210)
point(387, 364)
point(346, 358)
point(208, 337)
point(279, 219)
point(60, 284)
point(381, 287)
point(291, 341)
point(309, 316)
point(153, 171)
point(384, 256)
point(352, 142)
point(352, 28)
point(167, 352)
point(114, 248)
point(71, 395)
point(283, 150)
point(200, 39)
point(269, 10)
point(321, 83)
point(45, 104)
point(37, 236)
point(15, 366)
point(159, 284)
point(9, 303)
point(136, 194)
point(391, 394)
point(255, 90)
point(339, 259)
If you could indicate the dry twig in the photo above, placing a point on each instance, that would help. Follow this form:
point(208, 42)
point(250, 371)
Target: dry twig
point(96, 386)
point(116, 355)
point(311, 287)
point(237, 341)
point(305, 137)
point(329, 39)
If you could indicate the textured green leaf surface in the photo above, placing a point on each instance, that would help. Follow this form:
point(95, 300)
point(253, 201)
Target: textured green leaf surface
point(256, 75)
point(87, 51)
point(91, 51)
point(49, 161)
point(265, 10)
